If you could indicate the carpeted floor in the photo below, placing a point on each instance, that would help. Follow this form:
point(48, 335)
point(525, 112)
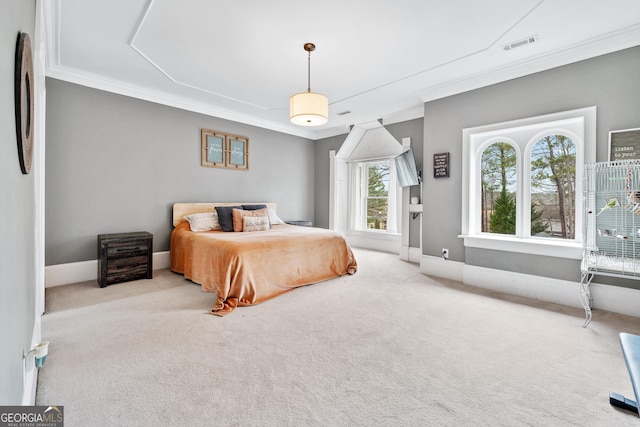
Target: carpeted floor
point(385, 347)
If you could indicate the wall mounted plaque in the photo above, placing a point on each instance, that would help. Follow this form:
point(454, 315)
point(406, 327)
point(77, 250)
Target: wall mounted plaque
point(441, 165)
point(624, 144)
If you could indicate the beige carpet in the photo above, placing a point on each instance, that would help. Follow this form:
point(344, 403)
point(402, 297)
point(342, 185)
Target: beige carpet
point(385, 347)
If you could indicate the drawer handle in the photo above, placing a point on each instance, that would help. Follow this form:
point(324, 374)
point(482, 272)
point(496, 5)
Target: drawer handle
point(128, 249)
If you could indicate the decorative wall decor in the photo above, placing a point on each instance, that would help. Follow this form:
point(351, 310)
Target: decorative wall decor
point(223, 150)
point(624, 144)
point(23, 93)
point(441, 165)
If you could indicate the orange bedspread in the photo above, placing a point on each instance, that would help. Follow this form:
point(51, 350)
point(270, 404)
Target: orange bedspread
point(249, 268)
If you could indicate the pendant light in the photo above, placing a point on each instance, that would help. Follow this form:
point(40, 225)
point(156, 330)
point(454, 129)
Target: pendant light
point(309, 108)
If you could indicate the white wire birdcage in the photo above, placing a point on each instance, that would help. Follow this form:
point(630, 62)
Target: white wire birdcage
point(611, 223)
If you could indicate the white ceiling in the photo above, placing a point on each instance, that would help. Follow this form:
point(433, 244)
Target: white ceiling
point(379, 59)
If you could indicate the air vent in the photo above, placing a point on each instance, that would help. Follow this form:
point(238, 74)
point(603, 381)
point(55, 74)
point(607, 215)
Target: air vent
point(519, 43)
point(343, 113)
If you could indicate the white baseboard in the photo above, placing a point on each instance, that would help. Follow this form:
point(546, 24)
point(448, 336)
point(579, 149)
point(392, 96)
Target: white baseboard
point(605, 297)
point(410, 254)
point(439, 267)
point(74, 272)
point(29, 370)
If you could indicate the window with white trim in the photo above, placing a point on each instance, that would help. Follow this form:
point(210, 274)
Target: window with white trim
point(522, 183)
point(375, 192)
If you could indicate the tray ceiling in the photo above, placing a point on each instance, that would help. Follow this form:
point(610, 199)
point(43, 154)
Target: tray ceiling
point(376, 59)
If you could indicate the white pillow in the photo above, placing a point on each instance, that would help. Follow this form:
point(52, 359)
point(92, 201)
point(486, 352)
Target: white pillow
point(255, 223)
point(203, 221)
point(274, 218)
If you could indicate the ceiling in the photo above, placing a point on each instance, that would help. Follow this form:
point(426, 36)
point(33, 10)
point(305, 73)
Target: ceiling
point(377, 59)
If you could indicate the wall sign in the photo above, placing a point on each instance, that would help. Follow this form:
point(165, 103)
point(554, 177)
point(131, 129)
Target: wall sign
point(441, 165)
point(624, 144)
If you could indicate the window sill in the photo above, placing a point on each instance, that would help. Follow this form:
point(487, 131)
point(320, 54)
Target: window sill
point(544, 247)
point(376, 234)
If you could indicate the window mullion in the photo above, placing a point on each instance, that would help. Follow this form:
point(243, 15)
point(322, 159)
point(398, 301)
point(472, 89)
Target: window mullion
point(524, 188)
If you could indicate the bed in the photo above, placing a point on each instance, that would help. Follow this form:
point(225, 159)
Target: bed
point(245, 268)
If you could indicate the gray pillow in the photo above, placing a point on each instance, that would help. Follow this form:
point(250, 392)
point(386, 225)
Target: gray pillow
point(225, 216)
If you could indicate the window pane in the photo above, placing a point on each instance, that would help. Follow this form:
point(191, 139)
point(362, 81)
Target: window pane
point(377, 196)
point(553, 187)
point(498, 183)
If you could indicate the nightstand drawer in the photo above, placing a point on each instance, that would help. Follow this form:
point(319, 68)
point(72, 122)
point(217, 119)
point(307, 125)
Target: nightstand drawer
point(127, 249)
point(125, 273)
point(124, 256)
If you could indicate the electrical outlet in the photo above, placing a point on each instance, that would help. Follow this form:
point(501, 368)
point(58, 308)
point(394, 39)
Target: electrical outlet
point(445, 253)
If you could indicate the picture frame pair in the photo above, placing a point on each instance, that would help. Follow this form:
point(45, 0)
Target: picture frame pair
point(224, 150)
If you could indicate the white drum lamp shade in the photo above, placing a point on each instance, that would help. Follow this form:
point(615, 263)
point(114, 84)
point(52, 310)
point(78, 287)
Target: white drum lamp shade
point(309, 109)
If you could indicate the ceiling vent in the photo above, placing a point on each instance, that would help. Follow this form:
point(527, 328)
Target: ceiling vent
point(343, 113)
point(522, 42)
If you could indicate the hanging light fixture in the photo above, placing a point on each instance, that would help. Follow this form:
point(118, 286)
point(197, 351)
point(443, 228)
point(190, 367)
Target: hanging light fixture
point(309, 108)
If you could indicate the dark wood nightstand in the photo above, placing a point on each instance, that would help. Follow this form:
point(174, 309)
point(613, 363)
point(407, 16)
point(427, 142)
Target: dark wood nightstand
point(301, 223)
point(124, 256)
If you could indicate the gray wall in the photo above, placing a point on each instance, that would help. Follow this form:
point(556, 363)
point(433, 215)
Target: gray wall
point(117, 164)
point(411, 128)
point(609, 82)
point(17, 215)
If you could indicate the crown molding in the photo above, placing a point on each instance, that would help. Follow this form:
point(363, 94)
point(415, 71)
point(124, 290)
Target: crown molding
point(91, 80)
point(597, 46)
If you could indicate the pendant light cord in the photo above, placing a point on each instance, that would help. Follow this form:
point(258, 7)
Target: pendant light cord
point(309, 72)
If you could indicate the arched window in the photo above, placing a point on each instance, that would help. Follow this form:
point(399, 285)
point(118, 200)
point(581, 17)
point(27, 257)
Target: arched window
point(498, 173)
point(553, 187)
point(522, 183)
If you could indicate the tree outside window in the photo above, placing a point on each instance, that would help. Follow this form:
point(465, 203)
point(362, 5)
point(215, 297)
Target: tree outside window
point(498, 180)
point(377, 195)
point(552, 188)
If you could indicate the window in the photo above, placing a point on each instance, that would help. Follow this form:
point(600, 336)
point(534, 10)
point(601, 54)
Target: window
point(498, 180)
point(375, 199)
point(523, 183)
point(553, 187)
point(376, 194)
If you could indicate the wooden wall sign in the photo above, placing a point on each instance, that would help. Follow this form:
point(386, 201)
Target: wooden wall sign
point(624, 144)
point(441, 165)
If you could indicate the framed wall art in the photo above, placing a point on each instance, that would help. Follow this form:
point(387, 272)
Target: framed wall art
point(624, 144)
point(213, 149)
point(238, 152)
point(223, 150)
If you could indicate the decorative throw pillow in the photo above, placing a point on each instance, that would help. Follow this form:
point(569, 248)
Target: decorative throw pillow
point(204, 221)
point(225, 216)
point(253, 207)
point(239, 214)
point(255, 223)
point(273, 218)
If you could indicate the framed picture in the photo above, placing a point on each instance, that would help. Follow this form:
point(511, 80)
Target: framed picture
point(624, 144)
point(222, 150)
point(238, 152)
point(213, 149)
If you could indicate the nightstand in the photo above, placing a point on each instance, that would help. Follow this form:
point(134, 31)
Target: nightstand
point(301, 223)
point(124, 256)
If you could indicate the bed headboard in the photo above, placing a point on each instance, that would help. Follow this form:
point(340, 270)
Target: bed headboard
point(180, 210)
